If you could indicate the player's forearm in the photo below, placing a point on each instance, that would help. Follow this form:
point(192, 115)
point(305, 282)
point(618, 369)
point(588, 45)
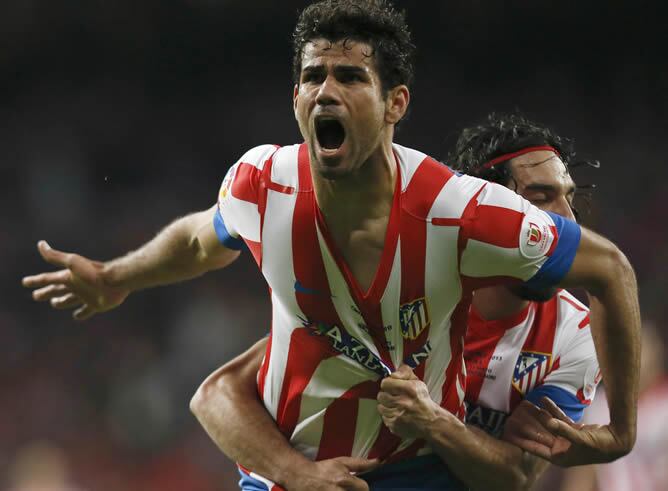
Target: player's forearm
point(228, 407)
point(611, 282)
point(615, 324)
point(179, 252)
point(481, 461)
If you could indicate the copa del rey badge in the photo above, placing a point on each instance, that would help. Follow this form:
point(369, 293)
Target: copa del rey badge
point(537, 237)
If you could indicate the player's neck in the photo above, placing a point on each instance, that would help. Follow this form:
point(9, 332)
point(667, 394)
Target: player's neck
point(366, 193)
point(497, 302)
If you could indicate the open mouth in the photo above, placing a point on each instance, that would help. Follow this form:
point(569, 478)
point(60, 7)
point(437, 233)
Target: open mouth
point(330, 133)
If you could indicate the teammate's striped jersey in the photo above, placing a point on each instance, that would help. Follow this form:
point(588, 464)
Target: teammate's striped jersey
point(544, 350)
point(331, 342)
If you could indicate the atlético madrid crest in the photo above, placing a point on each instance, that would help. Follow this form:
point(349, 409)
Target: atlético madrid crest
point(414, 318)
point(530, 369)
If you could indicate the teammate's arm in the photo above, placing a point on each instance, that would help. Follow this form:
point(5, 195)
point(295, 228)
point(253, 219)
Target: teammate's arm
point(183, 250)
point(552, 250)
point(605, 272)
point(479, 460)
point(228, 407)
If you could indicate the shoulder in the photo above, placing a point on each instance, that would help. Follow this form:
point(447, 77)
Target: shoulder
point(243, 178)
point(432, 189)
point(258, 156)
point(284, 166)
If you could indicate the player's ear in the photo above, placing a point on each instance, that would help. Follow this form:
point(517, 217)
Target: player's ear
point(396, 104)
point(295, 94)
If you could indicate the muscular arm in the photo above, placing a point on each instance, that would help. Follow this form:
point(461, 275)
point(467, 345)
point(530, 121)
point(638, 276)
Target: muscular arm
point(228, 407)
point(481, 461)
point(185, 249)
point(604, 271)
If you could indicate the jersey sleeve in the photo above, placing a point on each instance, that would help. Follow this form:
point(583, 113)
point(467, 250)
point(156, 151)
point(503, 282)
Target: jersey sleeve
point(507, 238)
point(575, 373)
point(237, 217)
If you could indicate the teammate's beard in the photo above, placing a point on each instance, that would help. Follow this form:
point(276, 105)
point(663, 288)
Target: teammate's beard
point(533, 294)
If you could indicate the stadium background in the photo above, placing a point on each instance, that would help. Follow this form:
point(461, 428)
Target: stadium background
point(116, 117)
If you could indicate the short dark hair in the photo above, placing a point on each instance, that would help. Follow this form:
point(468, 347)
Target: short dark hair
point(375, 22)
point(502, 134)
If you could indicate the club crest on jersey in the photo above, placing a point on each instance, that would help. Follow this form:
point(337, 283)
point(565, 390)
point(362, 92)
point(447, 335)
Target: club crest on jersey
point(226, 187)
point(530, 369)
point(413, 318)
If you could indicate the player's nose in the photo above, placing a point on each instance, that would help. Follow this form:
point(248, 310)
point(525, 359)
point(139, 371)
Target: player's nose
point(328, 93)
point(562, 206)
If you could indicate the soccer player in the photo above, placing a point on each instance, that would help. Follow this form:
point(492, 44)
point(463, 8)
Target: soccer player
point(371, 251)
point(520, 344)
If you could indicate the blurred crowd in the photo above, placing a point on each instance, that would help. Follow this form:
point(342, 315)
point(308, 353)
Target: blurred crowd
point(116, 117)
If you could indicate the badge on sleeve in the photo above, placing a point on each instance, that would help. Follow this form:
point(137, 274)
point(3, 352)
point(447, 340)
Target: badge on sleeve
point(537, 235)
point(226, 187)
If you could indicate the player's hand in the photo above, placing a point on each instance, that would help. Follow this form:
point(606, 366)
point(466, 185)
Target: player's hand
point(80, 285)
point(526, 427)
point(405, 405)
point(338, 474)
point(571, 443)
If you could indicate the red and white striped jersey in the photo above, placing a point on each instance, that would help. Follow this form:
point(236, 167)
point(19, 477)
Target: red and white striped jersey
point(544, 350)
point(331, 342)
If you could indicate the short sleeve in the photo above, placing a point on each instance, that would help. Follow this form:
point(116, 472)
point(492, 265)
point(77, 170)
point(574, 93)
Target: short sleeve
point(237, 218)
point(507, 238)
point(575, 372)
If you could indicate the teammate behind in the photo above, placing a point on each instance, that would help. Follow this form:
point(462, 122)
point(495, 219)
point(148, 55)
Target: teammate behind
point(520, 343)
point(353, 233)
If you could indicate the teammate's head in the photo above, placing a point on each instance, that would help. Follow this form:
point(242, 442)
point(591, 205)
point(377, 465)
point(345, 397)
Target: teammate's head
point(352, 69)
point(526, 157)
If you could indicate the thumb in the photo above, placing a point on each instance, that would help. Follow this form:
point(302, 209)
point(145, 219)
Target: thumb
point(554, 410)
point(52, 256)
point(404, 372)
point(356, 464)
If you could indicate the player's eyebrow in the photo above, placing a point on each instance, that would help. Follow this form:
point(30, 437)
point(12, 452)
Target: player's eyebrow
point(339, 69)
point(538, 186)
point(350, 70)
point(313, 69)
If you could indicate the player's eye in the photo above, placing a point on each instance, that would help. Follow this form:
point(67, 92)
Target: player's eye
point(350, 77)
point(311, 77)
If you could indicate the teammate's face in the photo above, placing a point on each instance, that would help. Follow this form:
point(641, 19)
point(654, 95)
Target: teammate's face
point(342, 111)
point(543, 179)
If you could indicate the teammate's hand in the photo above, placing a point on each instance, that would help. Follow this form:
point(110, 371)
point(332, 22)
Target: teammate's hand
point(571, 443)
point(578, 444)
point(526, 427)
point(336, 474)
point(80, 285)
point(405, 405)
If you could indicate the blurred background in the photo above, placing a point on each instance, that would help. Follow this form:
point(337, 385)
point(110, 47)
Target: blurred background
point(117, 117)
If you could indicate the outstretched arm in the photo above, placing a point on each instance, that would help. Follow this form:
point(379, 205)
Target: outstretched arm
point(604, 271)
point(478, 459)
point(185, 249)
point(228, 407)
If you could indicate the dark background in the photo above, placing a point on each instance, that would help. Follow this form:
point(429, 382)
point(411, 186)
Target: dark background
point(117, 117)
